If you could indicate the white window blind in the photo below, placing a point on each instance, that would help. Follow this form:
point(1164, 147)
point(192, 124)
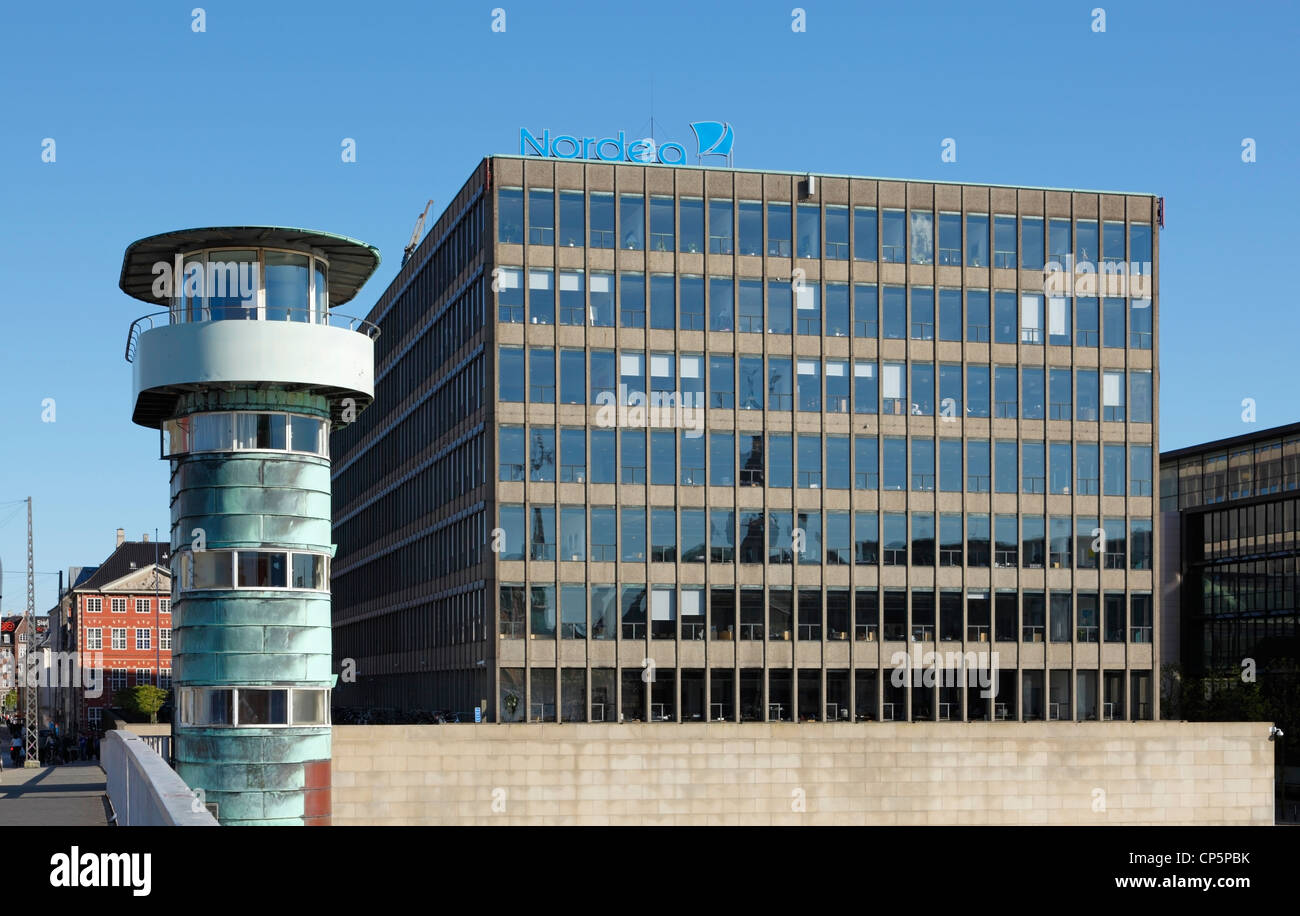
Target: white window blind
point(539, 279)
point(661, 607)
point(600, 283)
point(661, 366)
point(807, 367)
point(508, 277)
point(1056, 321)
point(837, 369)
point(864, 370)
point(690, 366)
point(893, 381)
point(1031, 313)
point(692, 606)
point(1112, 389)
point(630, 363)
point(571, 282)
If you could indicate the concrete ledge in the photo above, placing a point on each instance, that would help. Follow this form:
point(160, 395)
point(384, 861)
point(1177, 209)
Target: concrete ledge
point(144, 790)
point(810, 773)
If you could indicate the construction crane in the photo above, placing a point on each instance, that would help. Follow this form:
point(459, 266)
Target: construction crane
point(415, 236)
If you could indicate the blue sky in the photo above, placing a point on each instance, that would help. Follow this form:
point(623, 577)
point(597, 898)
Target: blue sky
point(158, 127)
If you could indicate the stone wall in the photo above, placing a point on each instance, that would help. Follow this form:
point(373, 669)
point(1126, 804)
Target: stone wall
point(810, 773)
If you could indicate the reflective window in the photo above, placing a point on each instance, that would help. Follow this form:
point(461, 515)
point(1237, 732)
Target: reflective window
point(1140, 397)
point(632, 460)
point(1088, 395)
point(663, 457)
point(722, 459)
point(950, 465)
point(510, 453)
point(750, 241)
point(810, 386)
point(750, 307)
point(977, 391)
point(631, 222)
point(1004, 317)
point(1059, 250)
point(894, 312)
point(602, 299)
point(1060, 391)
point(866, 463)
point(922, 313)
point(894, 389)
point(977, 315)
point(780, 307)
point(894, 472)
point(1112, 241)
point(865, 387)
point(1086, 243)
point(837, 386)
point(1112, 395)
point(837, 309)
point(1112, 469)
point(1140, 470)
point(663, 220)
point(751, 383)
point(690, 236)
point(604, 456)
point(778, 230)
point(810, 231)
point(1087, 460)
point(1112, 323)
point(663, 302)
point(810, 462)
point(950, 319)
point(573, 219)
point(780, 461)
point(1140, 324)
point(1031, 243)
point(1031, 318)
point(922, 389)
point(510, 215)
point(720, 226)
point(1033, 395)
point(573, 454)
point(923, 476)
point(950, 239)
point(1034, 473)
point(631, 300)
point(921, 236)
point(541, 297)
point(308, 571)
point(808, 308)
point(692, 458)
point(837, 233)
point(287, 286)
point(977, 240)
point(1004, 392)
point(602, 220)
point(510, 365)
point(541, 375)
point(1007, 477)
point(722, 304)
point(893, 236)
point(541, 217)
point(1060, 466)
point(632, 531)
point(950, 395)
point(541, 454)
point(1004, 242)
point(864, 234)
point(839, 465)
point(780, 384)
point(979, 476)
point(691, 302)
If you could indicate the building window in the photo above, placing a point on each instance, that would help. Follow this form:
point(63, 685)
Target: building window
point(1004, 317)
point(922, 236)
point(164, 605)
point(631, 300)
point(663, 218)
point(573, 219)
point(1140, 397)
point(750, 242)
point(1004, 242)
point(1031, 243)
point(1141, 316)
point(94, 605)
point(950, 239)
point(977, 316)
point(165, 638)
point(894, 312)
point(922, 313)
point(1140, 470)
point(690, 236)
point(977, 240)
point(1112, 322)
point(143, 676)
point(143, 638)
point(837, 233)
point(663, 302)
point(1086, 242)
point(1060, 393)
point(118, 605)
point(118, 638)
point(778, 230)
point(142, 605)
point(117, 677)
point(720, 226)
point(165, 678)
point(631, 222)
point(893, 237)
point(1087, 321)
point(510, 216)
point(94, 639)
point(541, 533)
point(604, 535)
point(751, 307)
point(541, 296)
point(541, 217)
point(864, 234)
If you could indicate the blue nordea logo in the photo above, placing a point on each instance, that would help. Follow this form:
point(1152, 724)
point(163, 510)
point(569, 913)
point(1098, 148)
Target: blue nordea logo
point(606, 149)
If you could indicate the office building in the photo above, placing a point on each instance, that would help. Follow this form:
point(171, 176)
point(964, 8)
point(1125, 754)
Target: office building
point(676, 443)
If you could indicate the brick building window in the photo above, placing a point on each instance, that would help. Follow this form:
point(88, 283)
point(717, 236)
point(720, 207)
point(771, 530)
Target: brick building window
point(117, 677)
point(142, 605)
point(165, 678)
point(165, 638)
point(164, 605)
point(143, 676)
point(143, 638)
point(94, 605)
point(119, 605)
point(94, 638)
point(118, 638)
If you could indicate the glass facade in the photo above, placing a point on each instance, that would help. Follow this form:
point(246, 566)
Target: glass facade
point(841, 389)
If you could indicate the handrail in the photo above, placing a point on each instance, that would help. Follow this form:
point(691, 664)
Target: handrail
point(155, 319)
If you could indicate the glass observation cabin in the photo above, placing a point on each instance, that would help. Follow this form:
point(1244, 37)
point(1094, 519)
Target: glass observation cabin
point(242, 284)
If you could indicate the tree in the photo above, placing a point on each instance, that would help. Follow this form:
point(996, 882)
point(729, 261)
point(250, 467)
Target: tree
point(11, 700)
point(141, 700)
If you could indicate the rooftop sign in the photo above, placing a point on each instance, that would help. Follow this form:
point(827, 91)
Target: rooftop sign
point(712, 138)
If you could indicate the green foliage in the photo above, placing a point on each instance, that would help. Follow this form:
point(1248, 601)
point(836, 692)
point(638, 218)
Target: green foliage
point(143, 700)
point(11, 701)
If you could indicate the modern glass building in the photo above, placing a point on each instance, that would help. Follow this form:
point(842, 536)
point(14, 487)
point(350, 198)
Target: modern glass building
point(674, 443)
point(1231, 519)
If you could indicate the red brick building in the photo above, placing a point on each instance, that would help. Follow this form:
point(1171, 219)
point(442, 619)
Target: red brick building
point(123, 623)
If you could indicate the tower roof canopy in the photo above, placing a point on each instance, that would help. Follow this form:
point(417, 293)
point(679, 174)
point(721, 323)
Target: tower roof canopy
point(351, 262)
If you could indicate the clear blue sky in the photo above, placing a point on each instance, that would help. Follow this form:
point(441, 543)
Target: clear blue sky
point(160, 128)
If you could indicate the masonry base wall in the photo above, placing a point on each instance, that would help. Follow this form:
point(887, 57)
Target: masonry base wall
point(810, 773)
